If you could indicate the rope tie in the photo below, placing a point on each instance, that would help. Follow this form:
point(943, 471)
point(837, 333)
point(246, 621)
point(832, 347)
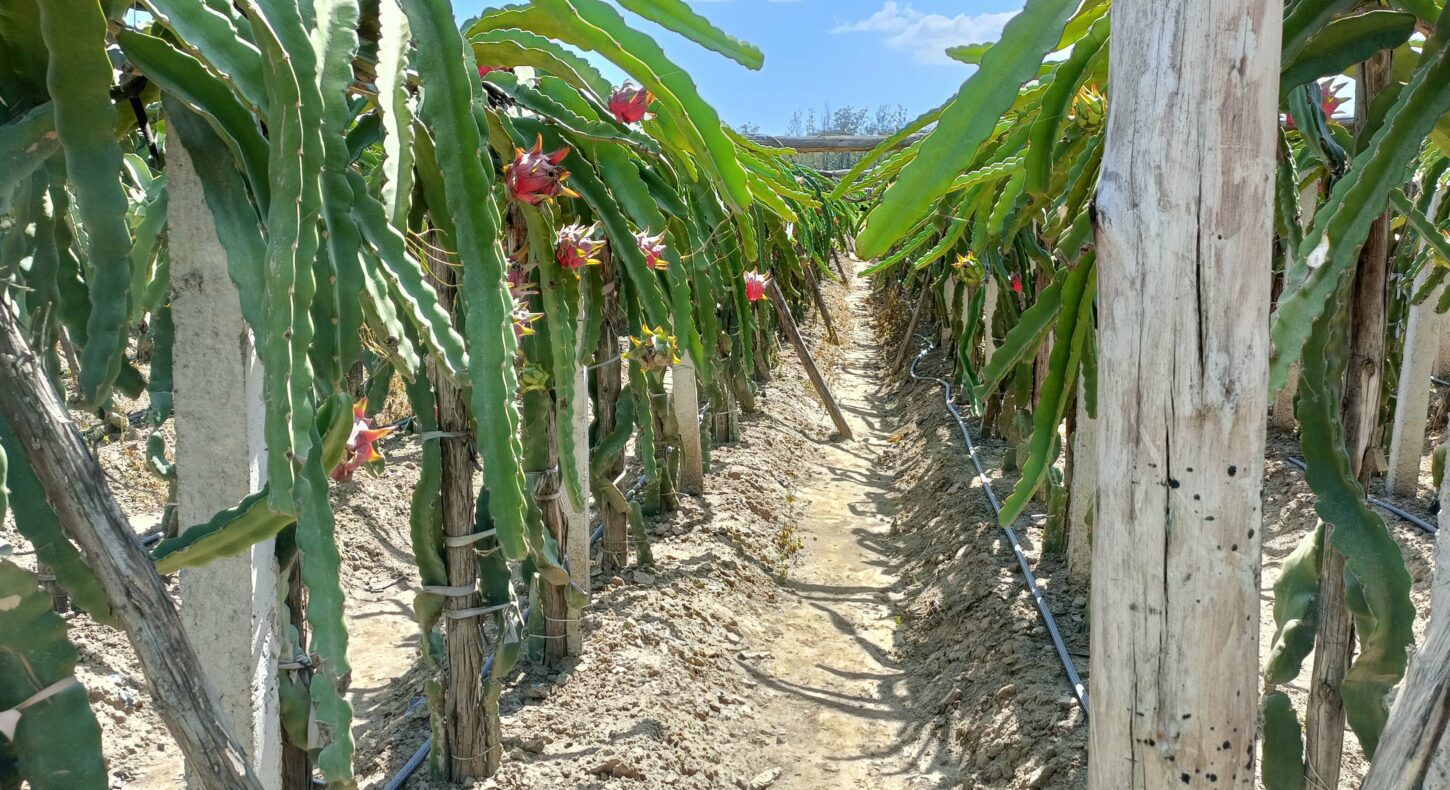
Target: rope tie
point(466, 614)
point(10, 718)
point(459, 541)
point(456, 591)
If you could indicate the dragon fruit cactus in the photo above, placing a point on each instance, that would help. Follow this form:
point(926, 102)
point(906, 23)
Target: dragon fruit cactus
point(361, 444)
point(630, 103)
point(535, 177)
point(653, 248)
point(654, 349)
point(578, 247)
point(755, 283)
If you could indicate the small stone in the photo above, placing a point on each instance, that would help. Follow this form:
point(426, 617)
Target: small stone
point(764, 779)
point(1080, 601)
point(1006, 692)
point(640, 577)
point(536, 693)
point(616, 582)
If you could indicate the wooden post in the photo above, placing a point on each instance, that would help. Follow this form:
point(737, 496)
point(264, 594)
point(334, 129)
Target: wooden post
point(75, 485)
point(614, 547)
point(989, 312)
point(908, 340)
point(1414, 751)
point(1082, 492)
point(1412, 399)
point(685, 399)
point(229, 605)
point(1184, 238)
point(820, 300)
point(1333, 645)
point(843, 429)
point(471, 723)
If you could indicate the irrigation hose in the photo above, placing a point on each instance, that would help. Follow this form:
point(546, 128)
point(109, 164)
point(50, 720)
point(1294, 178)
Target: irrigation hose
point(1419, 523)
point(1079, 690)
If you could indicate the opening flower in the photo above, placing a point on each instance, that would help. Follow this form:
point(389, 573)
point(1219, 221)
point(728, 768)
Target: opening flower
point(755, 284)
point(578, 247)
point(630, 103)
point(361, 444)
point(535, 177)
point(654, 349)
point(653, 248)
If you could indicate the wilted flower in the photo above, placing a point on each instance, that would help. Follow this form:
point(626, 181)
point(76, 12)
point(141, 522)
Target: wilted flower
point(361, 449)
point(755, 283)
point(578, 248)
point(653, 248)
point(630, 103)
point(535, 177)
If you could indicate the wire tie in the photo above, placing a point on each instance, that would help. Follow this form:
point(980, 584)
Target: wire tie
point(459, 541)
point(535, 473)
point(479, 755)
point(299, 661)
point(426, 435)
point(547, 497)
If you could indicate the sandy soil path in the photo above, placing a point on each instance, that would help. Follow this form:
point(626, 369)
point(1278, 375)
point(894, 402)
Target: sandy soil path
point(842, 697)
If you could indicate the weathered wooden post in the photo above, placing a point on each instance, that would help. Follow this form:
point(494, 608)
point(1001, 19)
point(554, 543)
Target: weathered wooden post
point(1414, 751)
point(228, 607)
point(1184, 233)
point(1082, 492)
point(1334, 640)
point(843, 428)
point(471, 726)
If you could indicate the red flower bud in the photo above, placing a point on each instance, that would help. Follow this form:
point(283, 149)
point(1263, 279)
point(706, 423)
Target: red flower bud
point(535, 177)
point(1016, 283)
point(630, 104)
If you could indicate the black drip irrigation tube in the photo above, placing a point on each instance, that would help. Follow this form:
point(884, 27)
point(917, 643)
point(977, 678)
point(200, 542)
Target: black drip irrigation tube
point(416, 761)
point(1419, 523)
point(1079, 691)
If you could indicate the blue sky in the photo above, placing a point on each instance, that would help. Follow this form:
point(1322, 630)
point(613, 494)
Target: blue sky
point(838, 51)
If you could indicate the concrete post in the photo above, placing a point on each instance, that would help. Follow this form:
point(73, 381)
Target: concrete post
point(685, 397)
point(228, 608)
point(1412, 401)
point(576, 519)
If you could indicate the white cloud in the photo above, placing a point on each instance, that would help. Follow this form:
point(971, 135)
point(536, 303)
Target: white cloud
point(927, 36)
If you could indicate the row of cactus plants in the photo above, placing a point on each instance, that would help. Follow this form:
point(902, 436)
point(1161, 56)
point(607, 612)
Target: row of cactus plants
point(990, 216)
point(477, 211)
